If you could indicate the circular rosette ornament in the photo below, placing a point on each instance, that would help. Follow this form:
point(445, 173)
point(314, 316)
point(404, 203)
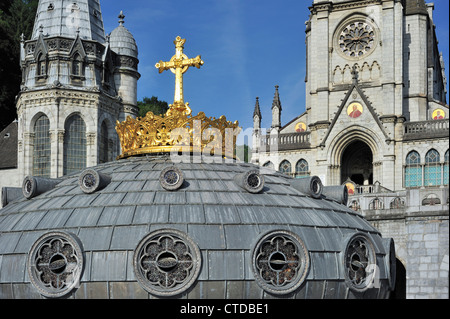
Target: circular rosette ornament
point(360, 263)
point(55, 264)
point(280, 262)
point(166, 262)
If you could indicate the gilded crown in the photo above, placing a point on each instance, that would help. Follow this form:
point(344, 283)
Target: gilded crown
point(177, 130)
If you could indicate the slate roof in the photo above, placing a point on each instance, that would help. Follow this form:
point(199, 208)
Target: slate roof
point(221, 217)
point(82, 15)
point(122, 42)
point(8, 146)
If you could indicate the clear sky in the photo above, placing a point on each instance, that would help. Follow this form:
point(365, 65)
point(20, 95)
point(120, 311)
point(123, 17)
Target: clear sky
point(248, 47)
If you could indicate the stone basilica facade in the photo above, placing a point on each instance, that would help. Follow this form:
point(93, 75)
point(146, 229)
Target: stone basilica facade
point(376, 120)
point(76, 84)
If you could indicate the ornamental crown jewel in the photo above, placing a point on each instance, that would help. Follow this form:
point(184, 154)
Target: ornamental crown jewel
point(177, 130)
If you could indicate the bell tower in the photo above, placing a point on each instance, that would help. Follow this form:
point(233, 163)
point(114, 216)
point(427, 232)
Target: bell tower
point(71, 95)
point(372, 67)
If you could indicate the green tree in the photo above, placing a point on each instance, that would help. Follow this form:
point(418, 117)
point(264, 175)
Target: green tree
point(152, 105)
point(16, 17)
point(243, 152)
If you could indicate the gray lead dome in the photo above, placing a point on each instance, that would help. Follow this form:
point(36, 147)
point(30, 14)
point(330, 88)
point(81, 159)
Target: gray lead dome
point(122, 41)
point(210, 238)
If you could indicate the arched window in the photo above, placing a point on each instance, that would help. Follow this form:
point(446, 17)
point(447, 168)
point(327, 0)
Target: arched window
point(413, 170)
point(269, 164)
point(432, 174)
point(431, 200)
point(446, 166)
point(285, 167)
point(41, 65)
point(74, 144)
point(376, 204)
point(76, 65)
point(42, 147)
point(397, 203)
point(104, 144)
point(354, 205)
point(301, 169)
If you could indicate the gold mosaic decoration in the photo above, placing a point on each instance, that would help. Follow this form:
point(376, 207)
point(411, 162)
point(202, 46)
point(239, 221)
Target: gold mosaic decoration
point(177, 130)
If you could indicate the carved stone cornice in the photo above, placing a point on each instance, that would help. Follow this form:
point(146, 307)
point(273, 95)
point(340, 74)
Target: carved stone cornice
point(45, 96)
point(355, 4)
point(319, 125)
point(62, 46)
point(390, 118)
point(323, 6)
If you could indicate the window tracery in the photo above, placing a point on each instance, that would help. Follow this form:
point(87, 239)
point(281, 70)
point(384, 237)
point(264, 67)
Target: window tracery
point(42, 147)
point(280, 262)
point(166, 262)
point(55, 264)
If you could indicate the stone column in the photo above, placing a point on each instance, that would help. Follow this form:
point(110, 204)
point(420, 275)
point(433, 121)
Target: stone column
point(91, 149)
point(60, 153)
point(28, 147)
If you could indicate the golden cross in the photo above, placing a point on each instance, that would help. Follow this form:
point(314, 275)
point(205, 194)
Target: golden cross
point(178, 65)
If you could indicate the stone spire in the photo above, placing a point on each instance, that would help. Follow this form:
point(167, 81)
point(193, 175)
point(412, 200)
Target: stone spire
point(257, 116)
point(257, 110)
point(66, 17)
point(276, 110)
point(276, 99)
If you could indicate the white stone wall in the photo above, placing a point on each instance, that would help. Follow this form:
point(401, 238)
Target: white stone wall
point(415, 71)
point(395, 80)
point(10, 178)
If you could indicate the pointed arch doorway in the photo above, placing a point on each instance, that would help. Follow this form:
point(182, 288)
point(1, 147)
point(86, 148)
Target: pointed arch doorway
point(357, 163)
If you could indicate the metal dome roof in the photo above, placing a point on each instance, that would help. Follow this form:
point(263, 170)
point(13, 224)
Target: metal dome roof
point(146, 226)
point(122, 41)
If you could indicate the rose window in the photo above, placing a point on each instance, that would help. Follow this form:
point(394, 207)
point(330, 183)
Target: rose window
point(359, 263)
point(171, 178)
point(280, 262)
point(356, 39)
point(167, 263)
point(55, 264)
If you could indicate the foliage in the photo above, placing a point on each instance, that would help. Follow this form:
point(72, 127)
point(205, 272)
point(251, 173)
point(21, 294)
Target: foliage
point(243, 152)
point(16, 17)
point(152, 105)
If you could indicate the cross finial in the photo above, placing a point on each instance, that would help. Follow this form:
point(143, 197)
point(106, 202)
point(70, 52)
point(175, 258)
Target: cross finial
point(121, 18)
point(178, 65)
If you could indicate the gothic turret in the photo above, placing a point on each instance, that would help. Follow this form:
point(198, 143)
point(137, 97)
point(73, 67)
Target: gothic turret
point(126, 73)
point(257, 117)
point(276, 110)
point(76, 83)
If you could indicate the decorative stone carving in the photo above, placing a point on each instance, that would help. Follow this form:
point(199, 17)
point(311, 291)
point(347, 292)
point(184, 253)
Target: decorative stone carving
point(356, 38)
point(358, 258)
point(280, 262)
point(55, 264)
point(166, 262)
